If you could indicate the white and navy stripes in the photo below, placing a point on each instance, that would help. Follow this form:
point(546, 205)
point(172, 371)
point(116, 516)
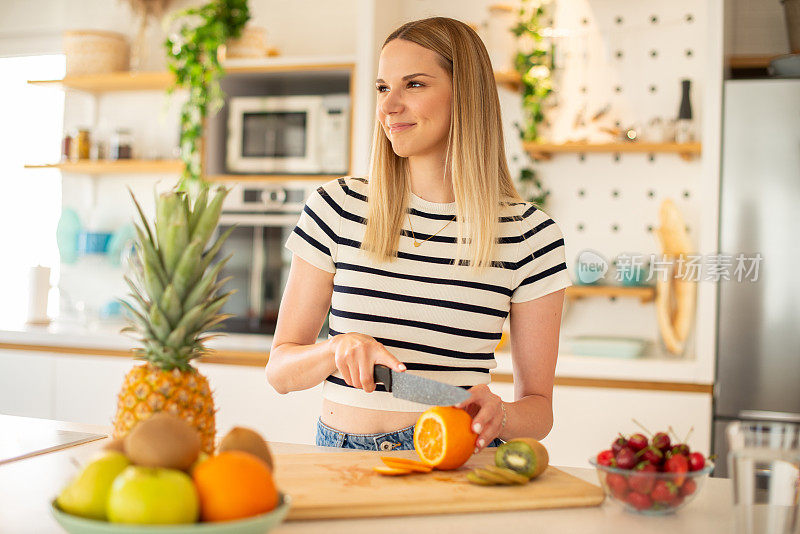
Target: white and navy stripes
point(442, 320)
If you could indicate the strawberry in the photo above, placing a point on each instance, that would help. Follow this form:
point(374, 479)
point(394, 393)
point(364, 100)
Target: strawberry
point(696, 461)
point(619, 443)
point(606, 458)
point(661, 441)
point(678, 464)
point(664, 492)
point(618, 485)
point(641, 480)
point(626, 458)
point(639, 501)
point(637, 442)
point(689, 487)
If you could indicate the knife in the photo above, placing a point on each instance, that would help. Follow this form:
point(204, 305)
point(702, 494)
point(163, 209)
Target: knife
point(415, 388)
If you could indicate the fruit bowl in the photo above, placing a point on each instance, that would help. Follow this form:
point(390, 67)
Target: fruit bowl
point(651, 493)
point(250, 525)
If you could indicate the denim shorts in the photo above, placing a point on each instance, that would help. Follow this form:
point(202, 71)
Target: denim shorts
point(398, 440)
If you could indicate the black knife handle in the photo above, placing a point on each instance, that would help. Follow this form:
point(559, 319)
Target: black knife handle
point(383, 374)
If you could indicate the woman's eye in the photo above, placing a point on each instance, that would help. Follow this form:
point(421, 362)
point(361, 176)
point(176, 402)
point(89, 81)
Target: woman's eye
point(383, 88)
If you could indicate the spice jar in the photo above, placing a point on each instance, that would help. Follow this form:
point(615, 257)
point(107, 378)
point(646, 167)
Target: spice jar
point(66, 147)
point(81, 144)
point(121, 146)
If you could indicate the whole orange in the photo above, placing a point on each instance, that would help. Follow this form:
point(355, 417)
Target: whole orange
point(233, 485)
point(443, 437)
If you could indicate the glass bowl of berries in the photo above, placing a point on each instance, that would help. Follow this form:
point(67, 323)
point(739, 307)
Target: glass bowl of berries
point(652, 477)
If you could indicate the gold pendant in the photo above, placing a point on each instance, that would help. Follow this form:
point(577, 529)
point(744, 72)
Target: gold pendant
point(417, 244)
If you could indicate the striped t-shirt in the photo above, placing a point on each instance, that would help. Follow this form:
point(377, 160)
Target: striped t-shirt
point(442, 321)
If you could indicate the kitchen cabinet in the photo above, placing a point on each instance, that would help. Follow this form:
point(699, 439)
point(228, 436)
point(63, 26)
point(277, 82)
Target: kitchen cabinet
point(586, 419)
point(26, 383)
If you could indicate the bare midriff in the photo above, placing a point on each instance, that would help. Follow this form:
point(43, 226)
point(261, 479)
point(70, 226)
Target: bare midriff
point(355, 420)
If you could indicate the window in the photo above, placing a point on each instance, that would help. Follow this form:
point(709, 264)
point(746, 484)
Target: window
point(31, 119)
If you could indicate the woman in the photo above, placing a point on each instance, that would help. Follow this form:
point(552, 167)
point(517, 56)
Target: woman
point(380, 254)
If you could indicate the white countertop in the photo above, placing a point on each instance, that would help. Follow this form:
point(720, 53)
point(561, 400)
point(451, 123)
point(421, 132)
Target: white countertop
point(26, 487)
point(105, 335)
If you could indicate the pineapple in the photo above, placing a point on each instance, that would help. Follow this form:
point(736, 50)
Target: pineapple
point(174, 302)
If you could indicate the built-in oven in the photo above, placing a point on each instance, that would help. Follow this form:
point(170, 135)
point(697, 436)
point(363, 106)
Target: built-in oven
point(263, 216)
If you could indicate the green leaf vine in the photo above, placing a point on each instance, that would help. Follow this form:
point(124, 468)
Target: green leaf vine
point(193, 58)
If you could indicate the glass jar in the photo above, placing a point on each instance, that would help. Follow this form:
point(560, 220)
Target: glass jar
point(121, 146)
point(81, 144)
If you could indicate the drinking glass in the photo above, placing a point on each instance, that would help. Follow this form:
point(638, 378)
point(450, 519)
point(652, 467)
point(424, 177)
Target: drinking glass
point(764, 462)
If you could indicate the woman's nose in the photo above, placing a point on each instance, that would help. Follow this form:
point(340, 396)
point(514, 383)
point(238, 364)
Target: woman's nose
point(392, 103)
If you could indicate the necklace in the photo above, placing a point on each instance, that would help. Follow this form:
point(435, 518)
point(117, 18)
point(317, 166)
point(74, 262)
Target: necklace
point(414, 237)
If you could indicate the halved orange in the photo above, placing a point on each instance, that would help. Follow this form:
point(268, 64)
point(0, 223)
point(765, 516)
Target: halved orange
point(407, 463)
point(386, 470)
point(443, 437)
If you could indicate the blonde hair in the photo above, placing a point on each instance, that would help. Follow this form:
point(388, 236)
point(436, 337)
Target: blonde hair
point(475, 150)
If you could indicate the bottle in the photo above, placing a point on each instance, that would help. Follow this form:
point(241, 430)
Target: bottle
point(121, 145)
point(683, 130)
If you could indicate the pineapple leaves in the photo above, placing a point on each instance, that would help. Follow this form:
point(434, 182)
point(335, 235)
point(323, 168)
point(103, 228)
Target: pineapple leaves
point(199, 207)
point(209, 218)
point(185, 270)
point(171, 304)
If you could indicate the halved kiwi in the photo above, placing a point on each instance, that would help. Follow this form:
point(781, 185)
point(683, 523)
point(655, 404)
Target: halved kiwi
point(525, 456)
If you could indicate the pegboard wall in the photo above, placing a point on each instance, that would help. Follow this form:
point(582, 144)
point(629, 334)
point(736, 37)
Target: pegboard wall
point(629, 58)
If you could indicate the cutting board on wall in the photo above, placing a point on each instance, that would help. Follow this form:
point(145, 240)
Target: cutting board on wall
point(343, 485)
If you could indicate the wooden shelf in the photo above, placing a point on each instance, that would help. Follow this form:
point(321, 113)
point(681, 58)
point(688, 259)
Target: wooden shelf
point(114, 81)
point(272, 177)
point(510, 78)
point(123, 166)
point(750, 62)
point(545, 151)
point(161, 80)
point(645, 294)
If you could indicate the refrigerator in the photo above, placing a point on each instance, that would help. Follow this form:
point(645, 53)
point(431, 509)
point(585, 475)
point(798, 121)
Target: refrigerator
point(758, 330)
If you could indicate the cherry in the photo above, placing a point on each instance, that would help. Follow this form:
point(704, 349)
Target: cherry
point(696, 461)
point(652, 455)
point(619, 443)
point(661, 441)
point(680, 448)
point(626, 458)
point(637, 442)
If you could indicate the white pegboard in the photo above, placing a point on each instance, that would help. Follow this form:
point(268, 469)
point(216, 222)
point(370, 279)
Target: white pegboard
point(632, 57)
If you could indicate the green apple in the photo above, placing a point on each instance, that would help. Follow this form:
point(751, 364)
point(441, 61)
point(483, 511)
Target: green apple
point(153, 496)
point(87, 493)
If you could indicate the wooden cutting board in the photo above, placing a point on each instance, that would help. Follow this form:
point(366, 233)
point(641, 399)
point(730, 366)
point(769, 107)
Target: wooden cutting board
point(343, 485)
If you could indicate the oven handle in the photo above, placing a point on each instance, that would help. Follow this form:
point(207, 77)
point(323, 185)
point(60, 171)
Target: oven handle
point(242, 219)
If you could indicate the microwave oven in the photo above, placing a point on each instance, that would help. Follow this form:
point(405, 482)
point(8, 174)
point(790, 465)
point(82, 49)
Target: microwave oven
point(289, 134)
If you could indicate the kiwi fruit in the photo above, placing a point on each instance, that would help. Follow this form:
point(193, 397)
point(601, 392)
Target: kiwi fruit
point(116, 444)
point(489, 475)
point(510, 476)
point(247, 440)
point(163, 440)
point(476, 479)
point(525, 456)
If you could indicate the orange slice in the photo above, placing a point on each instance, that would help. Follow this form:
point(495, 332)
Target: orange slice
point(443, 437)
point(407, 463)
point(386, 470)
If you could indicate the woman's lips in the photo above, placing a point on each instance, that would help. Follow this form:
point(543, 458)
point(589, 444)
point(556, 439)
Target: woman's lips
point(400, 127)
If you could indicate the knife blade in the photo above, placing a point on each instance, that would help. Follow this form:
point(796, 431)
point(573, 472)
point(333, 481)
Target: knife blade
point(418, 389)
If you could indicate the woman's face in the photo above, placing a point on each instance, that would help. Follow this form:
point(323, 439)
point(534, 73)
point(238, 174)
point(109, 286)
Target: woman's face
point(414, 99)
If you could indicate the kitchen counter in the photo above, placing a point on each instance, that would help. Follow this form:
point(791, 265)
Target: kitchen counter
point(103, 338)
point(28, 485)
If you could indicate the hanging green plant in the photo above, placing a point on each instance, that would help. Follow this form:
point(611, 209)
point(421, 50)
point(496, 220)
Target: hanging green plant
point(532, 187)
point(533, 62)
point(193, 57)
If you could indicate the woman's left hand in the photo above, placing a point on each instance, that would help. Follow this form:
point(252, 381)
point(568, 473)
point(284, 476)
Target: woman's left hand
point(486, 411)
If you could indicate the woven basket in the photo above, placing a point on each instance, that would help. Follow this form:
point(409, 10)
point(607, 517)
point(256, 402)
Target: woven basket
point(252, 43)
point(94, 52)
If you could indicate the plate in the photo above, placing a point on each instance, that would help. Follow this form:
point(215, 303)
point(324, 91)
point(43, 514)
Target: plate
point(250, 525)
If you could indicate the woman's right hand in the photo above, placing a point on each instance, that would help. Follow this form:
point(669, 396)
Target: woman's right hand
point(355, 356)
